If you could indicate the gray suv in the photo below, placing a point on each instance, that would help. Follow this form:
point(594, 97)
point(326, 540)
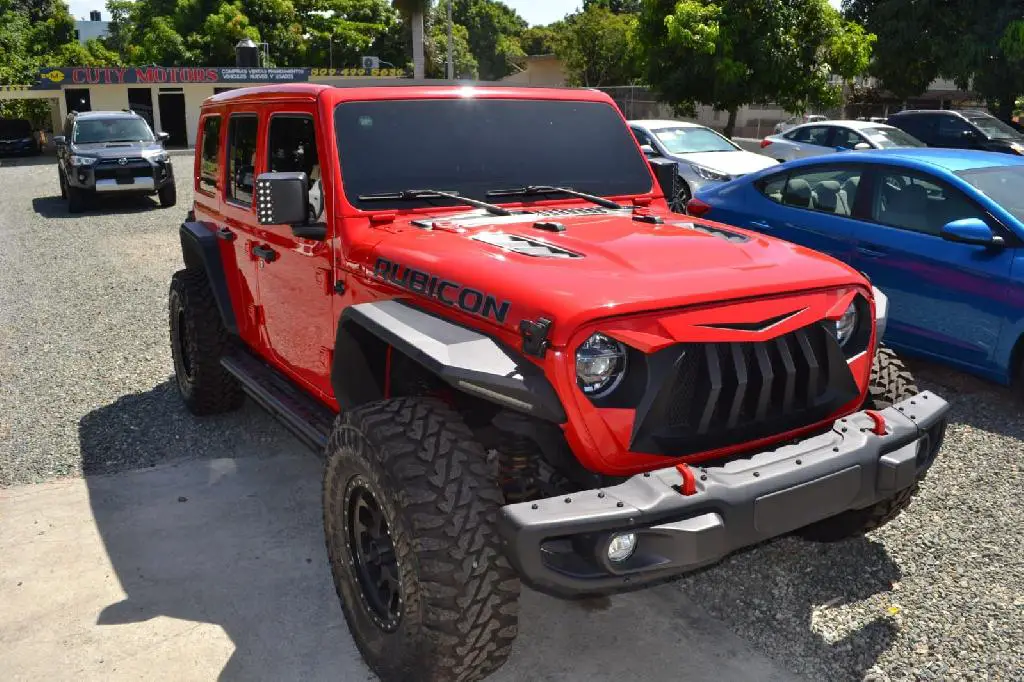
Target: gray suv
point(112, 152)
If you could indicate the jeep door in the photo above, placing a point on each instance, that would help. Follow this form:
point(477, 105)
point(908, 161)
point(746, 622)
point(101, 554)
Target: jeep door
point(295, 273)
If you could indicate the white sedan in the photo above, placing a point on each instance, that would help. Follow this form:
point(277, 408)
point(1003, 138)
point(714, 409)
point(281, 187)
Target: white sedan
point(702, 155)
point(815, 139)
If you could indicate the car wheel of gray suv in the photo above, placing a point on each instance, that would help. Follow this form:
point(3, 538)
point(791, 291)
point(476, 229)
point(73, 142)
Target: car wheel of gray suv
point(168, 195)
point(76, 199)
point(63, 185)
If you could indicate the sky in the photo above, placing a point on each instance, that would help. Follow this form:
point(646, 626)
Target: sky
point(534, 11)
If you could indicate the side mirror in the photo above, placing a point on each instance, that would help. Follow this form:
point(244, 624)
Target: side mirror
point(163, 137)
point(283, 199)
point(860, 146)
point(648, 150)
point(59, 140)
point(972, 231)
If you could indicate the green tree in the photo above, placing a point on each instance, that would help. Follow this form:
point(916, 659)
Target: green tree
point(730, 53)
point(494, 30)
point(928, 39)
point(465, 65)
point(542, 39)
point(599, 48)
point(615, 6)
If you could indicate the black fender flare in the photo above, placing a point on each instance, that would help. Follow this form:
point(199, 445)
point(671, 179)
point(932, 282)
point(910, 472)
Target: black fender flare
point(200, 249)
point(468, 360)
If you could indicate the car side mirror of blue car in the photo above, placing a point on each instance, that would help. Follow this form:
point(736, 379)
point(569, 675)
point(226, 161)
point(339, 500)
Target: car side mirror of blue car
point(973, 231)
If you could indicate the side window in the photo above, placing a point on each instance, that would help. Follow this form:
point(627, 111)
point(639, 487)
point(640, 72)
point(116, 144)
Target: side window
point(209, 170)
point(242, 158)
point(952, 129)
point(917, 203)
point(817, 135)
point(829, 190)
point(642, 138)
point(846, 138)
point(291, 148)
point(772, 186)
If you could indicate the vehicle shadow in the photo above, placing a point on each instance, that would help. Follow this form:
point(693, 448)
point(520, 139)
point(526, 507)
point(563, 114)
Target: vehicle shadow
point(55, 207)
point(224, 528)
point(44, 159)
point(773, 596)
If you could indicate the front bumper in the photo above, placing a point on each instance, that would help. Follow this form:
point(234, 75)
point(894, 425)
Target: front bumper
point(559, 544)
point(142, 179)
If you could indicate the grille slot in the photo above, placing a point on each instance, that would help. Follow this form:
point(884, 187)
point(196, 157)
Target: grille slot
point(708, 396)
point(553, 212)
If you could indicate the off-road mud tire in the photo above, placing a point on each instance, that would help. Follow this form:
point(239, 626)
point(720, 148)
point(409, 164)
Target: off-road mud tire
point(63, 186)
point(196, 329)
point(890, 383)
point(439, 492)
point(168, 195)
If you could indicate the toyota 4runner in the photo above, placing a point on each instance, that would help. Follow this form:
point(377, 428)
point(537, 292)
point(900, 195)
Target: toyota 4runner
point(112, 152)
point(520, 366)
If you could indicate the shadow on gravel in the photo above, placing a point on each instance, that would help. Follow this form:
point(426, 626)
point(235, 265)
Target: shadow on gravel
point(55, 207)
point(226, 530)
point(768, 595)
point(45, 159)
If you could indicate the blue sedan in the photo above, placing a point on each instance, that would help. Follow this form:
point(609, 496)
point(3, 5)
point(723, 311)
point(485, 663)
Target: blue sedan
point(940, 231)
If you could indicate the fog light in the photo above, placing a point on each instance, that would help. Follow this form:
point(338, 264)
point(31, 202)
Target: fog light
point(81, 177)
point(622, 547)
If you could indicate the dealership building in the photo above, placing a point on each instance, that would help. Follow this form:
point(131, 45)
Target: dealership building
point(168, 97)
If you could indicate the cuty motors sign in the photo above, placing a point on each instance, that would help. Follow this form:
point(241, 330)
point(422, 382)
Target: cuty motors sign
point(54, 78)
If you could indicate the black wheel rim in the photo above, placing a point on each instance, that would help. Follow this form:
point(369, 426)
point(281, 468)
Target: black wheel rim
point(678, 204)
point(184, 357)
point(373, 556)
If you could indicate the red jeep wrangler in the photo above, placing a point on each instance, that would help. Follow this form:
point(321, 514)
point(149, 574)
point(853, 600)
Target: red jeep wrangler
point(520, 365)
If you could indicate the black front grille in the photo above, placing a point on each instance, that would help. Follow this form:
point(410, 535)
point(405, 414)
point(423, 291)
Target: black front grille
point(112, 169)
point(707, 396)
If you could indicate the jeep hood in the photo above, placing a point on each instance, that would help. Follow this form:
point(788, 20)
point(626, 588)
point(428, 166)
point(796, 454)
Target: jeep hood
point(601, 264)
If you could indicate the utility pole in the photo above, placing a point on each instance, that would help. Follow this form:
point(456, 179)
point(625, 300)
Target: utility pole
point(451, 45)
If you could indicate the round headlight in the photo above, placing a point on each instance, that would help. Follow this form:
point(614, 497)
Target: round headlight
point(600, 365)
point(847, 324)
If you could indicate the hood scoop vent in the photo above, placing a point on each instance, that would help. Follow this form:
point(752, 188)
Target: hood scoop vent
point(728, 236)
point(560, 212)
point(523, 245)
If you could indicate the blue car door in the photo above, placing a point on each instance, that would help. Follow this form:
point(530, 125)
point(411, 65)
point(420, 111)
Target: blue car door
point(813, 207)
point(945, 299)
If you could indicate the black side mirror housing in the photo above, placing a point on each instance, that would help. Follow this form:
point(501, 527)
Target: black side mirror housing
point(59, 140)
point(971, 231)
point(163, 137)
point(283, 199)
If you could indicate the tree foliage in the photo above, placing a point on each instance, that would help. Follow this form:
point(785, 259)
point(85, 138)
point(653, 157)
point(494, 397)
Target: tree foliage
point(599, 47)
point(729, 53)
point(466, 66)
point(615, 6)
point(979, 44)
point(542, 39)
point(494, 30)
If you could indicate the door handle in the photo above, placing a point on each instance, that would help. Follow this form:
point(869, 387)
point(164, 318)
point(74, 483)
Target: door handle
point(760, 225)
point(870, 253)
point(265, 252)
point(225, 234)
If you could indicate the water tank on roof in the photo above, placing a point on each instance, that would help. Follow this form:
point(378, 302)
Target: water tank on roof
point(247, 53)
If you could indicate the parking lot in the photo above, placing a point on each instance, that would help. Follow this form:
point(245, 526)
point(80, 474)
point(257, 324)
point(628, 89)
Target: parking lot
point(86, 389)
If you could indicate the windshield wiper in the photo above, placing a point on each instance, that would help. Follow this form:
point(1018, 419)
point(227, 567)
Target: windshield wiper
point(548, 189)
point(411, 194)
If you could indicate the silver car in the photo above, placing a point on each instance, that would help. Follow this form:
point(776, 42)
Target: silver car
point(815, 139)
point(793, 122)
point(703, 155)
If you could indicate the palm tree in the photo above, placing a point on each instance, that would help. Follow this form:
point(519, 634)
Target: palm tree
point(413, 11)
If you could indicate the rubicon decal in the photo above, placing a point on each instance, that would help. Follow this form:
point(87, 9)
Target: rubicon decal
point(450, 293)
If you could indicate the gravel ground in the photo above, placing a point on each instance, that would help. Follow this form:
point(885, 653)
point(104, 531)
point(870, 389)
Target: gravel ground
point(85, 386)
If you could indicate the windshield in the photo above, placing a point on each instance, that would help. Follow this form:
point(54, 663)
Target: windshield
point(888, 136)
point(12, 128)
point(691, 140)
point(1002, 184)
point(112, 130)
point(471, 146)
point(993, 128)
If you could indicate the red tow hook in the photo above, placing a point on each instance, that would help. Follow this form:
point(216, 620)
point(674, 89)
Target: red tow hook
point(879, 422)
point(689, 486)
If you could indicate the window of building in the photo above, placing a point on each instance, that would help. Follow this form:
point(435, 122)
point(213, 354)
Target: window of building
point(242, 158)
point(209, 160)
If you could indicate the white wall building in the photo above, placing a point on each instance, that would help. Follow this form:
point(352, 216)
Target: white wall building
point(95, 27)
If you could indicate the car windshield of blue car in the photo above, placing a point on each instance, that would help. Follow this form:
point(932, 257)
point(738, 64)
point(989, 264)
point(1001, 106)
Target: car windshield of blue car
point(686, 140)
point(887, 136)
point(995, 129)
point(98, 130)
point(14, 129)
point(1002, 184)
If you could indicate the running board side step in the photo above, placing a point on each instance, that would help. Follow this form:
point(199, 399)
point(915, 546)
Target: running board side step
point(309, 420)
